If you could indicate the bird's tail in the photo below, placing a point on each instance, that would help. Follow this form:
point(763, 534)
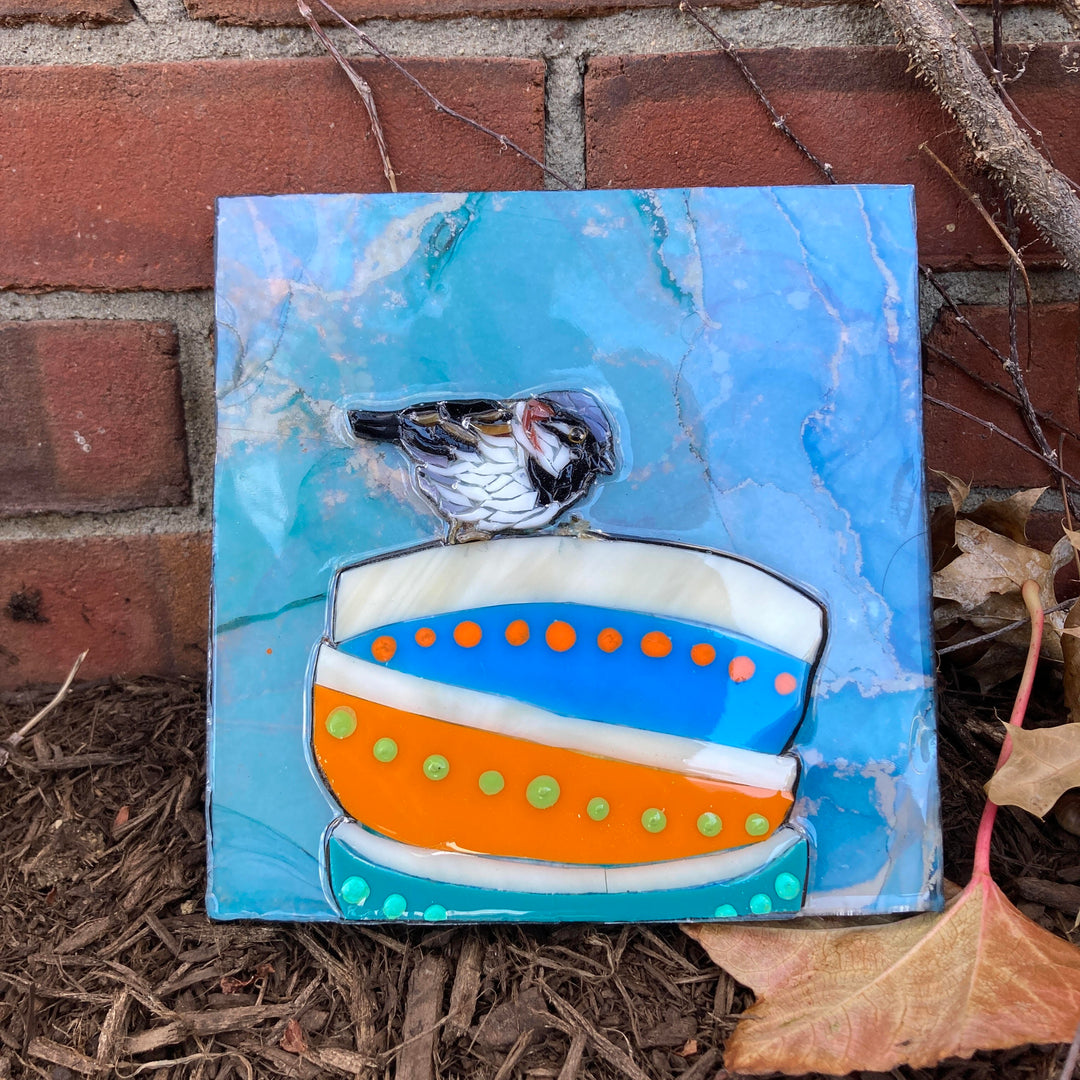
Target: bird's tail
point(379, 426)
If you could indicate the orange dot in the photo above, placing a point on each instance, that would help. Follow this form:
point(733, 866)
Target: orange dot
point(703, 655)
point(269, 652)
point(609, 639)
point(785, 683)
point(467, 634)
point(517, 633)
point(425, 637)
point(741, 668)
point(383, 648)
point(560, 636)
point(656, 644)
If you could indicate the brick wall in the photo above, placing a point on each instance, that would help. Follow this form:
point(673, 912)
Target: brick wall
point(122, 120)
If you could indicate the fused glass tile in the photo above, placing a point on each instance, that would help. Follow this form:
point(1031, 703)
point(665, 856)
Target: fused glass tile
point(570, 558)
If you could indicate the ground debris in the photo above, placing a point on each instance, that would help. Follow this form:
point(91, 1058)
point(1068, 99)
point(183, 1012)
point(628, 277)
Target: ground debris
point(112, 968)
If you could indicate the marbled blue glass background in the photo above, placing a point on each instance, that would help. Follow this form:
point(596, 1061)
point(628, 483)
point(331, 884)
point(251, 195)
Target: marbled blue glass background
point(758, 349)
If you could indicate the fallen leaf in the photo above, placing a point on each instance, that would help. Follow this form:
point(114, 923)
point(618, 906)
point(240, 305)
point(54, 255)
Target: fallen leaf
point(1043, 765)
point(230, 984)
point(122, 816)
point(958, 490)
point(978, 976)
point(689, 1049)
point(1009, 517)
point(1067, 812)
point(293, 1040)
point(1070, 654)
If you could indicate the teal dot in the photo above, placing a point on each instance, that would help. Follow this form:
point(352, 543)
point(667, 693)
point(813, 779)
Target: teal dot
point(543, 792)
point(760, 904)
point(709, 824)
point(394, 906)
point(436, 767)
point(355, 890)
point(654, 820)
point(384, 750)
point(757, 825)
point(435, 913)
point(598, 808)
point(491, 782)
point(725, 911)
point(787, 886)
point(341, 722)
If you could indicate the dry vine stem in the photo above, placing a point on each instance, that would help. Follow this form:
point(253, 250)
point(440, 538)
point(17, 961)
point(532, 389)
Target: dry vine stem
point(999, 142)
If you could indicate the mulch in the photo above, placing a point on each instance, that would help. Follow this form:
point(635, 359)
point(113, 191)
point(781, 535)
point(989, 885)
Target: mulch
point(109, 966)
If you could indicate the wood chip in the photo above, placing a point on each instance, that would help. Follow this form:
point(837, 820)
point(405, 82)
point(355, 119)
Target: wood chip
point(465, 990)
point(114, 1028)
point(85, 935)
point(572, 1062)
point(1064, 898)
point(61, 1055)
point(423, 1010)
point(573, 1022)
point(203, 1023)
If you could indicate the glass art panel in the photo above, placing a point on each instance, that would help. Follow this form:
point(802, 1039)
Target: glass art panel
point(570, 558)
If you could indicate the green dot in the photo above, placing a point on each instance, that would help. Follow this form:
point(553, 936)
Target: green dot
point(394, 906)
point(542, 792)
point(709, 824)
point(598, 808)
point(435, 913)
point(355, 890)
point(384, 750)
point(760, 904)
point(341, 722)
point(436, 767)
point(491, 782)
point(787, 886)
point(725, 911)
point(654, 820)
point(757, 825)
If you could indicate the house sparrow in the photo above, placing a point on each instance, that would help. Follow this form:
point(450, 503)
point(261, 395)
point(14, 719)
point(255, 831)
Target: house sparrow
point(499, 466)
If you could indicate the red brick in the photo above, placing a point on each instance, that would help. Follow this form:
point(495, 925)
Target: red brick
point(90, 416)
point(66, 12)
point(690, 119)
point(966, 449)
point(138, 603)
point(110, 173)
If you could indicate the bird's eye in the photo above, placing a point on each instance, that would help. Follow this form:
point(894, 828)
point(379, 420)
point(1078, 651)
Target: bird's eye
point(576, 435)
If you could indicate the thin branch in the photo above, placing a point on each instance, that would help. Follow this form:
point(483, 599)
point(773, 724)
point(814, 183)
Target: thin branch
point(1069, 1068)
point(440, 106)
point(1008, 628)
point(997, 388)
point(778, 121)
point(961, 318)
point(17, 737)
point(363, 88)
point(994, 429)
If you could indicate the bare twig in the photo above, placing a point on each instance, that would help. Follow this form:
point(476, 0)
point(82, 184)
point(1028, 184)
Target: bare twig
point(17, 737)
point(986, 122)
point(1009, 627)
point(440, 106)
point(996, 388)
point(993, 428)
point(778, 121)
point(363, 88)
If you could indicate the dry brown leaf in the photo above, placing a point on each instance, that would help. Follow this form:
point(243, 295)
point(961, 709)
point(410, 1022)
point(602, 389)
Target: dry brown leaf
point(1070, 653)
point(958, 490)
point(1043, 765)
point(293, 1039)
point(1008, 516)
point(978, 976)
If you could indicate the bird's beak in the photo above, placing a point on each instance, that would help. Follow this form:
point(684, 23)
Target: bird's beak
point(605, 461)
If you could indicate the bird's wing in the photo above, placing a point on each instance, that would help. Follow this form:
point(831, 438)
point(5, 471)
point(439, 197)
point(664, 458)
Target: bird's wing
point(444, 429)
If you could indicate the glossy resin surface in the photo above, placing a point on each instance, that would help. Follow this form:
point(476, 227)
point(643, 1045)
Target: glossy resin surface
point(570, 558)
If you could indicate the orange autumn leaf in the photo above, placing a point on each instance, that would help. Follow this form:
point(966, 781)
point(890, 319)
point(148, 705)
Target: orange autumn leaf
point(978, 976)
